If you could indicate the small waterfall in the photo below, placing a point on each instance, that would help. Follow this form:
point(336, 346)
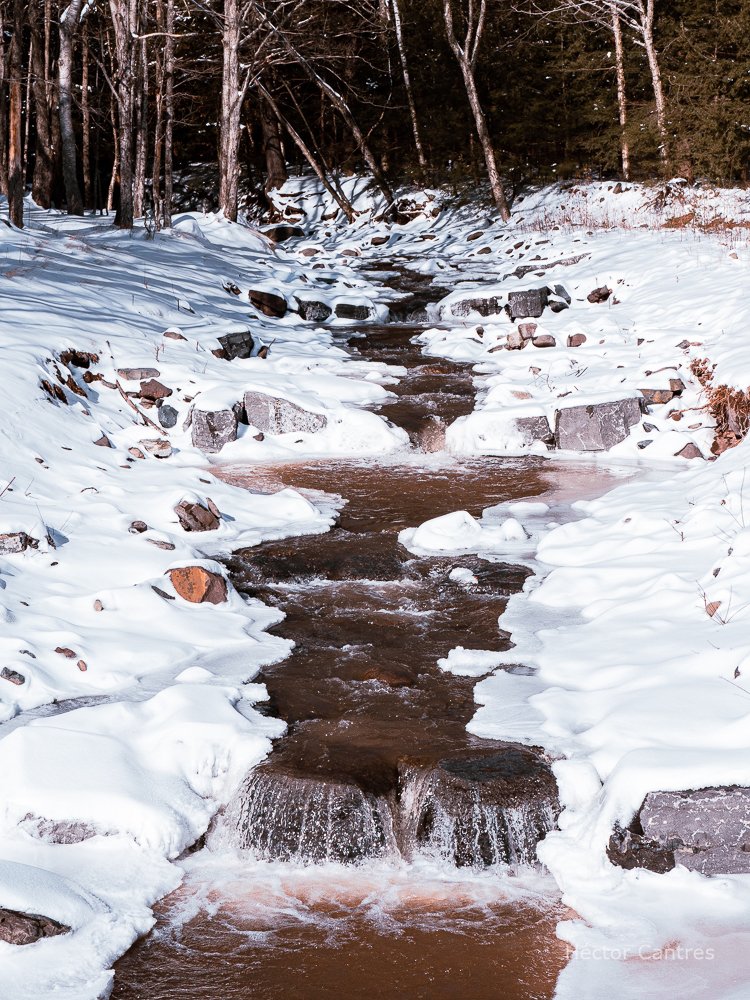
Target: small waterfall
point(282, 817)
point(477, 812)
point(469, 811)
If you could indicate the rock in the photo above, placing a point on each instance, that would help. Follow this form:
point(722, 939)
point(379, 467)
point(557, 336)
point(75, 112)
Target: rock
point(78, 359)
point(576, 339)
point(649, 428)
point(558, 299)
point(231, 287)
point(544, 340)
point(268, 303)
point(600, 294)
point(103, 442)
point(159, 448)
point(347, 310)
point(279, 416)
point(394, 677)
point(281, 233)
point(516, 341)
point(13, 542)
point(98, 606)
point(167, 546)
point(153, 390)
point(477, 234)
point(238, 344)
point(527, 330)
point(490, 306)
point(379, 241)
point(136, 452)
point(137, 527)
point(12, 676)
point(535, 428)
point(167, 416)
point(196, 517)
point(689, 451)
point(429, 437)
point(212, 429)
point(706, 830)
point(136, 374)
point(596, 426)
point(644, 444)
point(173, 335)
point(677, 386)
point(66, 651)
point(26, 928)
point(656, 396)
point(313, 311)
point(309, 252)
point(528, 303)
point(199, 585)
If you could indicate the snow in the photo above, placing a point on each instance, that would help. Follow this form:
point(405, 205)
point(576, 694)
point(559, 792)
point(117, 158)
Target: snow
point(631, 641)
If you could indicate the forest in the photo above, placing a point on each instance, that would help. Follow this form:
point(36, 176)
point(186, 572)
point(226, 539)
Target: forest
point(141, 107)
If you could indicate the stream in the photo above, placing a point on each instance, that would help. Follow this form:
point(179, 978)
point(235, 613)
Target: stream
point(380, 850)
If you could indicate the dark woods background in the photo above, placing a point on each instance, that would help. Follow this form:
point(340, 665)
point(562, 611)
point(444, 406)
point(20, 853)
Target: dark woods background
point(142, 106)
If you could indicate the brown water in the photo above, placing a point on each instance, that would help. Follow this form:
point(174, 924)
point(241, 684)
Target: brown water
point(377, 749)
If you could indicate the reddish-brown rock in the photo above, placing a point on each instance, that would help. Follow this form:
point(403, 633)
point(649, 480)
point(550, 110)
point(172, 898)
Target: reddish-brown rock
point(153, 390)
point(199, 585)
point(576, 339)
point(26, 928)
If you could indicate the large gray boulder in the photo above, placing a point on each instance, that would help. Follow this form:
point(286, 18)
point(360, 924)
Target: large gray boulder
point(273, 415)
point(528, 304)
point(212, 429)
point(706, 830)
point(535, 427)
point(596, 426)
point(313, 311)
point(487, 306)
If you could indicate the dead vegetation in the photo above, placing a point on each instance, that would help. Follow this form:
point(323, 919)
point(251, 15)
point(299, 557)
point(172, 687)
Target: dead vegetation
point(730, 408)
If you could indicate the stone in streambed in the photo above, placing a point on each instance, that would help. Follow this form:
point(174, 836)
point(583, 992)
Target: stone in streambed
point(26, 928)
point(596, 426)
point(198, 585)
point(274, 415)
point(196, 517)
point(212, 429)
point(268, 303)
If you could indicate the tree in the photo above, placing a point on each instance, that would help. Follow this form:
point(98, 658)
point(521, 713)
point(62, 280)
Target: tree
point(69, 22)
point(466, 54)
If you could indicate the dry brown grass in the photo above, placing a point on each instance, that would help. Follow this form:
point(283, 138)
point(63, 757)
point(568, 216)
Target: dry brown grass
point(730, 408)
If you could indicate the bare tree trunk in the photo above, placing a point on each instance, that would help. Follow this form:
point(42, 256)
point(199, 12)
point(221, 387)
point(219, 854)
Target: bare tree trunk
point(85, 118)
point(231, 106)
point(276, 173)
point(166, 214)
point(466, 56)
point(141, 129)
point(3, 116)
point(115, 159)
point(340, 199)
point(15, 135)
point(41, 185)
point(622, 103)
point(125, 25)
point(159, 87)
point(27, 105)
point(68, 27)
point(407, 86)
point(646, 12)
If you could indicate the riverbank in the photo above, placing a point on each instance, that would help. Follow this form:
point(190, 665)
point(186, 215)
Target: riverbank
point(177, 675)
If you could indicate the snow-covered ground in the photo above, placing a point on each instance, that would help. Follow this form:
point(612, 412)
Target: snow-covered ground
point(637, 687)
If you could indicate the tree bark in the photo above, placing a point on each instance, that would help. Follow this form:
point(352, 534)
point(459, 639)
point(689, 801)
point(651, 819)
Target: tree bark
point(407, 86)
point(141, 128)
point(68, 27)
point(231, 106)
point(41, 185)
point(85, 119)
point(466, 56)
point(125, 25)
point(646, 10)
point(15, 135)
point(276, 172)
point(622, 104)
point(166, 213)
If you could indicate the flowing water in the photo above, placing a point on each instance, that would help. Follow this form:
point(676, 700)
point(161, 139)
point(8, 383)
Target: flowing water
point(380, 850)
